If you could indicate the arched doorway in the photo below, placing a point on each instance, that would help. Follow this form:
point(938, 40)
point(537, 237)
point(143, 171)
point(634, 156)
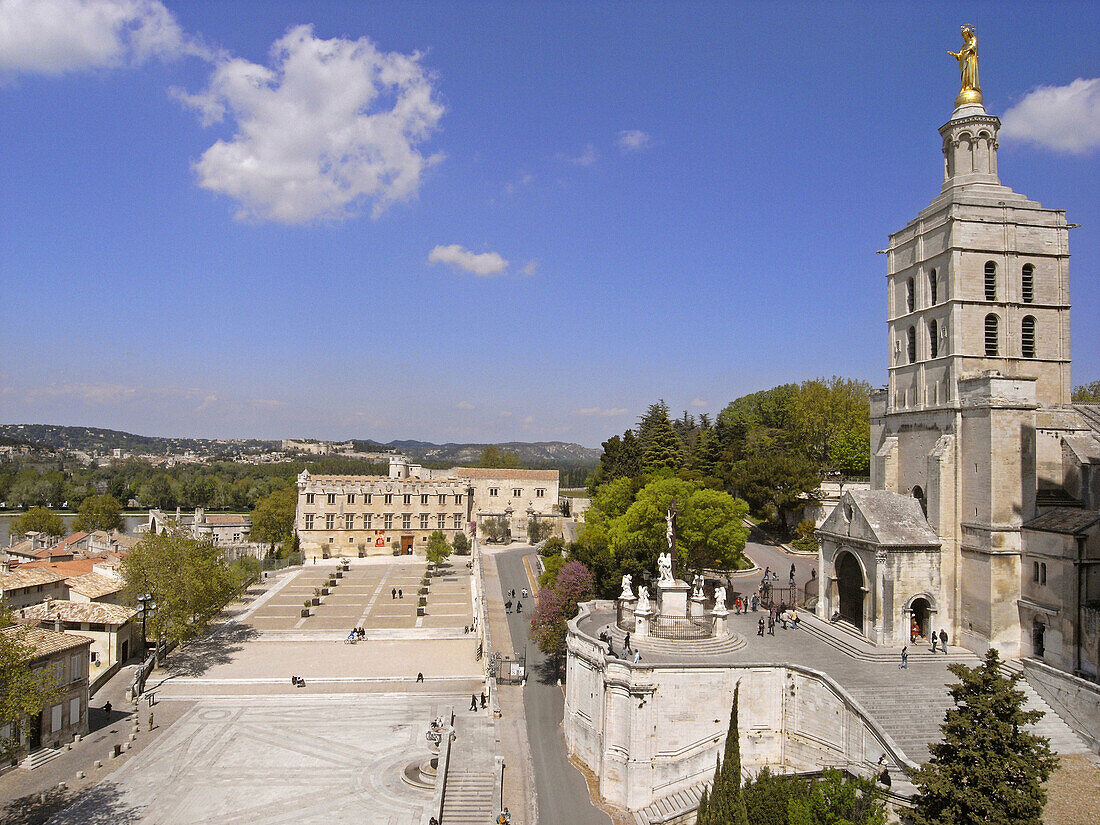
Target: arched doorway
point(918, 494)
point(849, 585)
point(920, 618)
point(1038, 642)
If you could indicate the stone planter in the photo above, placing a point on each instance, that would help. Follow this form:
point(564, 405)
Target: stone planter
point(423, 591)
point(421, 611)
point(423, 601)
point(324, 591)
point(316, 600)
point(339, 574)
point(305, 612)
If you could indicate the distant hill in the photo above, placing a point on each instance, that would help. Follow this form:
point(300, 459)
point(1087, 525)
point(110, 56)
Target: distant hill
point(94, 439)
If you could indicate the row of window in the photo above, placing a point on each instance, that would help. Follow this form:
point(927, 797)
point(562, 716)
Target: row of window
point(406, 498)
point(517, 492)
point(992, 338)
point(1027, 286)
point(387, 521)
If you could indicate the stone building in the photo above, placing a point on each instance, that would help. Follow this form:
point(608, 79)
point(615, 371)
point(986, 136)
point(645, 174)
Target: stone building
point(982, 517)
point(517, 496)
point(66, 656)
point(26, 586)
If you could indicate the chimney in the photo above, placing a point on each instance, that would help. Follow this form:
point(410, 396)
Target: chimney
point(57, 623)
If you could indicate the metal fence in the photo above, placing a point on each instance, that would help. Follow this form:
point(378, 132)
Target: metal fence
point(672, 627)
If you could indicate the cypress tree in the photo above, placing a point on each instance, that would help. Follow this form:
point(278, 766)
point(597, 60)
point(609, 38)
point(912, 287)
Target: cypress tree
point(726, 805)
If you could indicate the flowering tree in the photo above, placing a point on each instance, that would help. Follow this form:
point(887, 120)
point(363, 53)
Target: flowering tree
point(557, 604)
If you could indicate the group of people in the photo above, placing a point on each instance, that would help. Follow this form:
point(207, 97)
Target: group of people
point(782, 615)
point(396, 593)
point(606, 638)
point(356, 634)
point(473, 700)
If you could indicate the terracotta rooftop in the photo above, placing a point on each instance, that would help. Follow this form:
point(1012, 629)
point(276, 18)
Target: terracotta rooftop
point(65, 567)
point(46, 642)
point(224, 518)
point(94, 585)
point(28, 577)
point(519, 475)
point(78, 612)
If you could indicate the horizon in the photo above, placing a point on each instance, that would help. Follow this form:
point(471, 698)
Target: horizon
point(544, 219)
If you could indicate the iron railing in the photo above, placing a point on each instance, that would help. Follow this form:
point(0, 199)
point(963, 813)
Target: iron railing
point(673, 627)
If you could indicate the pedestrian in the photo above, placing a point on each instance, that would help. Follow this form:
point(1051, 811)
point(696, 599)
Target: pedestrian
point(107, 710)
point(473, 701)
point(760, 627)
point(755, 602)
point(393, 593)
point(771, 624)
point(483, 698)
point(792, 571)
point(637, 656)
point(943, 639)
point(505, 818)
point(904, 658)
point(400, 595)
point(610, 649)
point(813, 573)
point(935, 641)
point(508, 606)
point(767, 570)
point(626, 641)
point(519, 607)
point(794, 619)
point(525, 593)
point(420, 677)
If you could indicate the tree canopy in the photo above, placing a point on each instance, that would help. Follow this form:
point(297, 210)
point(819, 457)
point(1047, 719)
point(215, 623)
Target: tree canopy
point(1087, 393)
point(492, 457)
point(557, 604)
point(273, 518)
point(989, 768)
point(438, 548)
point(99, 513)
point(38, 520)
point(25, 691)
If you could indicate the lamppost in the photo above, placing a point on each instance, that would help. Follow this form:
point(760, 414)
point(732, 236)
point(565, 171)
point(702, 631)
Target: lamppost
point(146, 603)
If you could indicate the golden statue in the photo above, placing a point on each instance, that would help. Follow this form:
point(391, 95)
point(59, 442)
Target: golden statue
point(971, 91)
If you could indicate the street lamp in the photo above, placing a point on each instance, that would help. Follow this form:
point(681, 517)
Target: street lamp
point(146, 603)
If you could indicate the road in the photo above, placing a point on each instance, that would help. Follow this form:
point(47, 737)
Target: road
point(563, 797)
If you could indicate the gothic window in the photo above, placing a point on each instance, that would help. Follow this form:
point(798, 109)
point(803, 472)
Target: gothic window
point(1043, 573)
point(990, 281)
point(1027, 284)
point(1027, 337)
point(934, 338)
point(911, 343)
point(1035, 571)
point(932, 286)
point(910, 295)
point(991, 348)
point(331, 498)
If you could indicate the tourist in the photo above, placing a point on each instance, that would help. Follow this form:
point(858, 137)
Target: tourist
point(760, 627)
point(792, 571)
point(483, 698)
point(771, 624)
point(393, 593)
point(400, 595)
point(755, 602)
point(943, 639)
point(935, 641)
point(835, 617)
point(904, 664)
point(525, 593)
point(473, 701)
point(508, 606)
point(626, 641)
point(107, 711)
point(505, 818)
point(637, 656)
point(420, 677)
point(519, 607)
point(794, 619)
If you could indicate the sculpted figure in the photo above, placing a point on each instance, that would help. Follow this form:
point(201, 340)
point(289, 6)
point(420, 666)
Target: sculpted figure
point(720, 598)
point(664, 567)
point(968, 68)
point(697, 585)
point(628, 592)
point(670, 532)
point(643, 600)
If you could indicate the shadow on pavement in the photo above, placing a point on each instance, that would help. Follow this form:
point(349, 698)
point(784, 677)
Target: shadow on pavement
point(99, 805)
point(209, 651)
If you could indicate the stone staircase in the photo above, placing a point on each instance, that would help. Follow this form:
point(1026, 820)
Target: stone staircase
point(675, 808)
point(468, 798)
point(676, 647)
point(843, 637)
point(39, 758)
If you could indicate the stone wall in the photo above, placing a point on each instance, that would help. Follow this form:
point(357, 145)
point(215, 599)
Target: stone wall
point(649, 731)
point(1076, 701)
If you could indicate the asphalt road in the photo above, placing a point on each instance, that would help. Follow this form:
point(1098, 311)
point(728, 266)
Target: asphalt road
point(562, 792)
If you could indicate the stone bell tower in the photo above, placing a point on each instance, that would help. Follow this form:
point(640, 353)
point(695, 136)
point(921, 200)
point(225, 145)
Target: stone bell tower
point(978, 320)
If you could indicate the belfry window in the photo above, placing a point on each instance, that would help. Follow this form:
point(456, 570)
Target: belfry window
point(991, 348)
point(1027, 284)
point(910, 295)
point(934, 338)
point(990, 281)
point(912, 344)
point(932, 287)
point(1027, 337)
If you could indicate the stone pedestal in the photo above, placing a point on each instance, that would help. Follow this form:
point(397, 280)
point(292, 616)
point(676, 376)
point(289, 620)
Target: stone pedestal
point(697, 606)
point(721, 623)
point(641, 623)
point(672, 598)
point(627, 606)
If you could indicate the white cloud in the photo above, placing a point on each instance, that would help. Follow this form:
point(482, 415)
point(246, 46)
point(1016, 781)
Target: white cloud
point(464, 405)
point(611, 412)
point(634, 140)
point(482, 264)
point(1062, 118)
point(330, 126)
point(529, 268)
point(699, 402)
point(57, 36)
point(512, 186)
point(585, 158)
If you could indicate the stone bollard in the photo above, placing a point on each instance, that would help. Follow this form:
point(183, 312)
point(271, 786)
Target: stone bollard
point(77, 737)
point(150, 721)
point(116, 751)
point(80, 774)
point(98, 763)
point(133, 737)
point(61, 786)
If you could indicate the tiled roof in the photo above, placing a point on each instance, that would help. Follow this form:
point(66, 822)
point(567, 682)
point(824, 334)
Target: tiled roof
point(94, 585)
point(228, 519)
point(1063, 520)
point(73, 539)
point(24, 577)
point(96, 612)
point(67, 567)
point(518, 475)
point(46, 642)
point(22, 548)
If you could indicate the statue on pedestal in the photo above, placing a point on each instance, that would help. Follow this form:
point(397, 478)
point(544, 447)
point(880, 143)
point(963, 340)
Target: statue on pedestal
point(697, 585)
point(720, 599)
point(643, 600)
point(970, 89)
point(664, 567)
point(628, 591)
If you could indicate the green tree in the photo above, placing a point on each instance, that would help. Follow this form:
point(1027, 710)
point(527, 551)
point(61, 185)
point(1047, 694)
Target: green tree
point(189, 580)
point(557, 605)
point(836, 799)
point(158, 492)
point(725, 804)
point(554, 546)
point(273, 518)
point(1087, 393)
point(989, 768)
point(661, 447)
point(438, 548)
point(831, 416)
point(492, 457)
point(771, 478)
point(25, 691)
point(538, 530)
point(494, 529)
point(99, 513)
point(461, 544)
point(551, 567)
point(38, 520)
point(768, 797)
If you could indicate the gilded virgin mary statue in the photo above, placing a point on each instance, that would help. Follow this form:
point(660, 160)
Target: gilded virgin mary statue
point(971, 90)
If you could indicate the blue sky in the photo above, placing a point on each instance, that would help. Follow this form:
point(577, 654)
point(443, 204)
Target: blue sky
point(489, 221)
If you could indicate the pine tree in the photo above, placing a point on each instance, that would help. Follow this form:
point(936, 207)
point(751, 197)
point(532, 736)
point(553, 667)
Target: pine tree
point(989, 768)
point(726, 805)
point(661, 448)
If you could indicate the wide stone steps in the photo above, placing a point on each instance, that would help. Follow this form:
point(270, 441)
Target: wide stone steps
point(677, 647)
point(468, 798)
point(844, 638)
point(39, 758)
point(671, 807)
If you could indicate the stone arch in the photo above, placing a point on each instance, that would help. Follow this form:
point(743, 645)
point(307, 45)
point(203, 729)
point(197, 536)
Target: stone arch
point(920, 612)
point(851, 587)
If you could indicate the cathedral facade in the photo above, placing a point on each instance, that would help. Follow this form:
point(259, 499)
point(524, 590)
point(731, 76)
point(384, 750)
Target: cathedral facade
point(983, 518)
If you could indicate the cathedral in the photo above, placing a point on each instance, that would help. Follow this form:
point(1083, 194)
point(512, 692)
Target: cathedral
point(983, 517)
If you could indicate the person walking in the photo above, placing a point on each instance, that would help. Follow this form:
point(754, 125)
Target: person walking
point(943, 639)
point(760, 627)
point(755, 602)
point(420, 677)
point(400, 595)
point(107, 711)
point(473, 701)
point(935, 641)
point(626, 641)
point(904, 665)
point(771, 624)
point(483, 698)
point(393, 593)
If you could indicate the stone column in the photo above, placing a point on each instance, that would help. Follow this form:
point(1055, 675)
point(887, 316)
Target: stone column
point(641, 622)
point(697, 606)
point(627, 606)
point(721, 621)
